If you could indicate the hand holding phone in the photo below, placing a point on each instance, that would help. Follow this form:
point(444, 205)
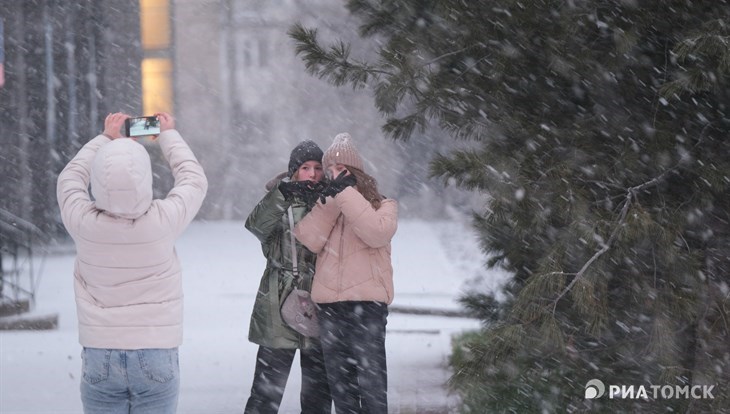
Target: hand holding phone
point(142, 126)
point(113, 124)
point(166, 121)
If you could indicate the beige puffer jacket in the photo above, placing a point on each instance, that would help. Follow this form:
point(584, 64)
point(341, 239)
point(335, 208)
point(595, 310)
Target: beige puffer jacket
point(352, 242)
point(127, 276)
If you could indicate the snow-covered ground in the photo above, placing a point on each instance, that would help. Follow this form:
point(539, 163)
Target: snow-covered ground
point(222, 264)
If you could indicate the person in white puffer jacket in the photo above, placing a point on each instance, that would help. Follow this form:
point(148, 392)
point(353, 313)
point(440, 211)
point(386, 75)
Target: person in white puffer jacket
point(127, 277)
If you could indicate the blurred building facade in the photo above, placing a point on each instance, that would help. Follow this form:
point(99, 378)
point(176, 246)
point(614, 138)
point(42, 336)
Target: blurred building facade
point(225, 68)
point(245, 99)
point(66, 64)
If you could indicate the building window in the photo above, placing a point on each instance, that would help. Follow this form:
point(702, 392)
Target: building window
point(156, 85)
point(155, 24)
point(254, 53)
point(156, 34)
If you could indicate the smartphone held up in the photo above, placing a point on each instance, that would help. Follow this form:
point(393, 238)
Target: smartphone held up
point(142, 126)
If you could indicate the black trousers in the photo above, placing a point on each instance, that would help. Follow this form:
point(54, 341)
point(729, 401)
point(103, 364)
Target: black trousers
point(272, 370)
point(353, 344)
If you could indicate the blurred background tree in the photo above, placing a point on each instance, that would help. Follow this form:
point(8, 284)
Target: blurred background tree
point(599, 131)
point(63, 75)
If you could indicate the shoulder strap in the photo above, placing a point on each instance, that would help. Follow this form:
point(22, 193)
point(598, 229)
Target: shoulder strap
point(294, 261)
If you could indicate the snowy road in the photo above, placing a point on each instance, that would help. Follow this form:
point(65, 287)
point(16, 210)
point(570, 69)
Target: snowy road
point(222, 263)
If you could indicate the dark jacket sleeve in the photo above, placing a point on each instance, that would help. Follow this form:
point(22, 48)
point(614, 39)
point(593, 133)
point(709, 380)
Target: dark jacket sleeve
point(265, 218)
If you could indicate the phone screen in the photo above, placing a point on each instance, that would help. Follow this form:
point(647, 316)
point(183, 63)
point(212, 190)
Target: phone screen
point(141, 126)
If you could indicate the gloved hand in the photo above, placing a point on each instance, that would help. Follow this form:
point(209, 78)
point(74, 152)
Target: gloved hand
point(311, 192)
point(305, 190)
point(337, 185)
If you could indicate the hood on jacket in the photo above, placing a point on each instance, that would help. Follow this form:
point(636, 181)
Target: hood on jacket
point(274, 181)
point(121, 178)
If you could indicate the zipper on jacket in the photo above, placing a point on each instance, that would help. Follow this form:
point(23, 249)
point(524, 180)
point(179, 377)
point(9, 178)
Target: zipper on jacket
point(341, 257)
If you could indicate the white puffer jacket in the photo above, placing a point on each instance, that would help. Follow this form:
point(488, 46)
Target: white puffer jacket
point(127, 275)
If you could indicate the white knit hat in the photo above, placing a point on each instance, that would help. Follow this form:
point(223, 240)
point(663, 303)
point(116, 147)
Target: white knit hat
point(342, 151)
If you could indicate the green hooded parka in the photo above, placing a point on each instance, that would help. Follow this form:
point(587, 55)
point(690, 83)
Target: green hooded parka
point(269, 222)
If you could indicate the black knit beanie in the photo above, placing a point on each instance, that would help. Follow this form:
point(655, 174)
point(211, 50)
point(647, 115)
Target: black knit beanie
point(307, 150)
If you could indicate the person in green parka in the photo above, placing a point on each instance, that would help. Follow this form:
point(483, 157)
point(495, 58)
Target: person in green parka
point(298, 188)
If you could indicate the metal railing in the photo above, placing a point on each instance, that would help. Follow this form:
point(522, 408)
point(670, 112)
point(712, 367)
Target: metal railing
point(20, 240)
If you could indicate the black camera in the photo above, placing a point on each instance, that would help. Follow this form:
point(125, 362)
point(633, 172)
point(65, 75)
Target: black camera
point(141, 126)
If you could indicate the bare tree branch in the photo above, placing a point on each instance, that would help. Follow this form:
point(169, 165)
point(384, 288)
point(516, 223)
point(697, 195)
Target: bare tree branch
point(631, 194)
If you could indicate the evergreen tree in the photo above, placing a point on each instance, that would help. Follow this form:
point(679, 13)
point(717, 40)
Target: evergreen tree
point(599, 129)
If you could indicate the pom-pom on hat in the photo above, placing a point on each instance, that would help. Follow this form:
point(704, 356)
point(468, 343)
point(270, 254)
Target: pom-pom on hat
point(306, 150)
point(342, 151)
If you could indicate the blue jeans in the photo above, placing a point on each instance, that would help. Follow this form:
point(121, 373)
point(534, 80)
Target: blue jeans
point(130, 381)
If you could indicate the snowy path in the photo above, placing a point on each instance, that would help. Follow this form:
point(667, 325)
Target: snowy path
point(222, 263)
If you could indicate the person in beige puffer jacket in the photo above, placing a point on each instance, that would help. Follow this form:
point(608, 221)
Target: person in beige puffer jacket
point(127, 277)
point(351, 230)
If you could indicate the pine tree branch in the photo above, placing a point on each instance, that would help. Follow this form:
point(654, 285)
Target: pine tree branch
point(334, 64)
point(445, 55)
point(631, 195)
point(472, 66)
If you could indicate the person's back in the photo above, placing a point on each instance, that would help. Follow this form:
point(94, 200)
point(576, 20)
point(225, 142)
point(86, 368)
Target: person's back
point(127, 275)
